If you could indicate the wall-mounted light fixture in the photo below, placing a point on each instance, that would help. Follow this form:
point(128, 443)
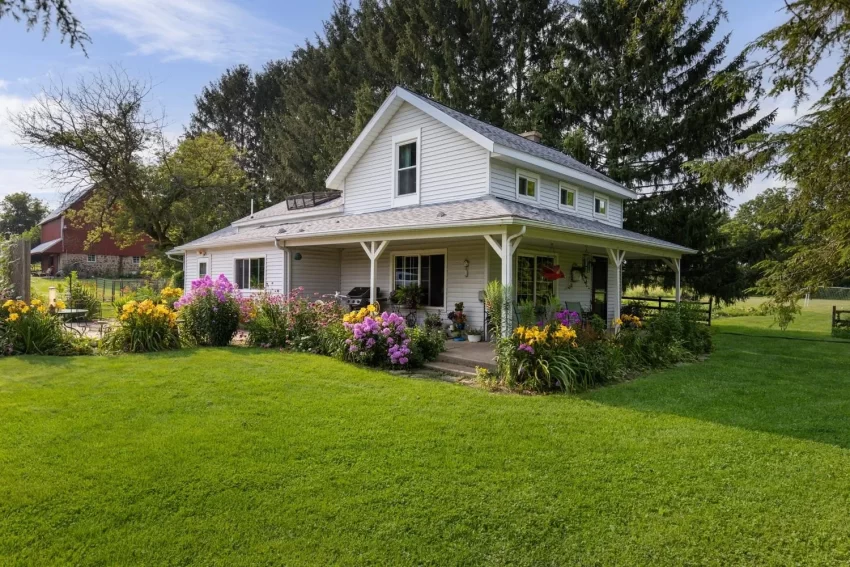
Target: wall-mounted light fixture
point(297, 256)
point(466, 267)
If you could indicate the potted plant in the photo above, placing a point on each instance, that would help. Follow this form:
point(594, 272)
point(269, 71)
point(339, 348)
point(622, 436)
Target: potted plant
point(474, 335)
point(409, 296)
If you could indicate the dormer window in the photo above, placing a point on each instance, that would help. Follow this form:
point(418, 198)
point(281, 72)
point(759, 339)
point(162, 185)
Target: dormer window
point(406, 150)
point(600, 206)
point(568, 198)
point(527, 185)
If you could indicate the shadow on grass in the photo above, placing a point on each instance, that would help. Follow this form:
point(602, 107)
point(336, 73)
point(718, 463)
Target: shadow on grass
point(797, 388)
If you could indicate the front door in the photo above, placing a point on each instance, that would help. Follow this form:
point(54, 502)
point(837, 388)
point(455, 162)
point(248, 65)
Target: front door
point(599, 288)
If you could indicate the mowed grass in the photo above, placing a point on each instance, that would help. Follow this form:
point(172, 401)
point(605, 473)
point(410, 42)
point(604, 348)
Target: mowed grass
point(245, 457)
point(814, 322)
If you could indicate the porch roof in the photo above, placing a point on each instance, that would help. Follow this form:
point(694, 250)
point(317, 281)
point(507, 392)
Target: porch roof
point(480, 211)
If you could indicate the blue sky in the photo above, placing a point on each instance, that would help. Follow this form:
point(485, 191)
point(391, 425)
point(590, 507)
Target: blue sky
point(183, 45)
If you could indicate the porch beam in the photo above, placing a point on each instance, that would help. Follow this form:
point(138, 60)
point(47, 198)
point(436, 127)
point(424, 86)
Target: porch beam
point(494, 245)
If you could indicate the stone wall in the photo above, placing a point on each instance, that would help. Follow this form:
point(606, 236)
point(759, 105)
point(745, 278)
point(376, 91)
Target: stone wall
point(104, 266)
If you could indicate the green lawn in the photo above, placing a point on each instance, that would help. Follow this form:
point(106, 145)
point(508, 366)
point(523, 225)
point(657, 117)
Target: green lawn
point(240, 456)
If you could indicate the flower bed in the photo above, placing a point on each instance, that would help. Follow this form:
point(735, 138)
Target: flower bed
point(34, 328)
point(144, 327)
point(563, 354)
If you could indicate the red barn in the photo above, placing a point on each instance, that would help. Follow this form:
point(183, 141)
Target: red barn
point(63, 248)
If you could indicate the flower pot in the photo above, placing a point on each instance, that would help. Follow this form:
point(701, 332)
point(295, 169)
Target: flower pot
point(474, 338)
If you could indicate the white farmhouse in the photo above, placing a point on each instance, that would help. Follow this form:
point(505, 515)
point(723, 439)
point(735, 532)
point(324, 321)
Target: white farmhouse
point(431, 196)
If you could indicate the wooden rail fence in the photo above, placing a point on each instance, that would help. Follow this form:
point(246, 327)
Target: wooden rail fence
point(840, 323)
point(648, 307)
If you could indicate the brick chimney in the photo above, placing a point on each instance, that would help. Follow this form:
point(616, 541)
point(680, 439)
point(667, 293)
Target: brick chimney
point(532, 135)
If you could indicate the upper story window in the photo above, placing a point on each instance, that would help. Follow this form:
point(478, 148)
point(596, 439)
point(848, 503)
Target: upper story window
point(250, 273)
point(568, 198)
point(527, 185)
point(406, 168)
point(600, 206)
point(91, 259)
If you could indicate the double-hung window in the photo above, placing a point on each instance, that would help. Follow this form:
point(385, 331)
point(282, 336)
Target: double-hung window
point(406, 168)
point(426, 270)
point(527, 185)
point(600, 206)
point(531, 285)
point(250, 273)
point(569, 197)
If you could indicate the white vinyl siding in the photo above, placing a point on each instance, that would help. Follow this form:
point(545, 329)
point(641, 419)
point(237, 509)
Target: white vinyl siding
point(503, 185)
point(318, 271)
point(452, 167)
point(223, 261)
point(459, 287)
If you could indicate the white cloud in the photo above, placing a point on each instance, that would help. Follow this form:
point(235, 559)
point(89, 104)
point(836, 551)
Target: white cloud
point(3, 84)
point(9, 106)
point(202, 30)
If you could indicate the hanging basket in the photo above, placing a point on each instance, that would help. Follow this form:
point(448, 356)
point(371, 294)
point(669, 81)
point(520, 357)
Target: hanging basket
point(552, 273)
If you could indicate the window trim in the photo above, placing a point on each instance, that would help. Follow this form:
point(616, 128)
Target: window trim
point(601, 197)
point(562, 186)
point(420, 253)
point(528, 175)
point(91, 258)
point(206, 262)
point(400, 140)
point(533, 253)
point(133, 260)
point(265, 272)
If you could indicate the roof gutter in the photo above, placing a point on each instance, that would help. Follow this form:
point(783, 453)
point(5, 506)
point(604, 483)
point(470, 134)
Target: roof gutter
point(170, 257)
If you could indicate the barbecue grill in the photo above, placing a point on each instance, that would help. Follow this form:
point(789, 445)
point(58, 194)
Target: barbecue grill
point(359, 297)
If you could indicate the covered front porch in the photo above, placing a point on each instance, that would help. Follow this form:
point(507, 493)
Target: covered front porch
point(454, 266)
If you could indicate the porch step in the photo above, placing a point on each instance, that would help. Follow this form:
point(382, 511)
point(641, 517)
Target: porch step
point(451, 369)
point(458, 359)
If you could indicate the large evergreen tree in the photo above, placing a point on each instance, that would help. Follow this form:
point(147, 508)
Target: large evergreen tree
point(642, 89)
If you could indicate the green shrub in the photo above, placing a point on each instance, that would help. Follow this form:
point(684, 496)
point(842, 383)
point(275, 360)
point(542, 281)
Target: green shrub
point(331, 340)
point(289, 321)
point(425, 345)
point(144, 327)
point(82, 296)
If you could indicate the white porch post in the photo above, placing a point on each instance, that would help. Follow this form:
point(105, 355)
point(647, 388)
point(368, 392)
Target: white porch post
point(675, 264)
point(373, 252)
point(617, 257)
point(506, 251)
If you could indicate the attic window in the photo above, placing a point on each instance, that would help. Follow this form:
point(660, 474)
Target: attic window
point(406, 168)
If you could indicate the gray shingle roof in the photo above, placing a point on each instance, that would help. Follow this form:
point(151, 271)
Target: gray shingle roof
point(451, 214)
point(516, 142)
point(44, 246)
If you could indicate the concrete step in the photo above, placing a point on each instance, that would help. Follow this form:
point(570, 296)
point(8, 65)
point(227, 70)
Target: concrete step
point(457, 359)
point(451, 369)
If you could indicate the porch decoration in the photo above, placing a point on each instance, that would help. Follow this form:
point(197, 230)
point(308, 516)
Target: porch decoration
point(474, 335)
point(458, 320)
point(552, 273)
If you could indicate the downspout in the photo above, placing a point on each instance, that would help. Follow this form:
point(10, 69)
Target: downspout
point(514, 237)
point(287, 266)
